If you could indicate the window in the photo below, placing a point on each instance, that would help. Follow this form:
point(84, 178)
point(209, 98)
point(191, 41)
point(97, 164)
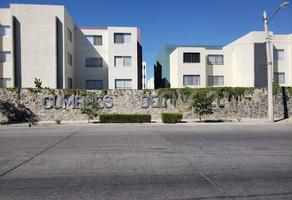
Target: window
point(123, 83)
point(69, 59)
point(215, 80)
point(121, 38)
point(95, 40)
point(94, 84)
point(69, 34)
point(70, 83)
point(279, 77)
point(192, 58)
point(93, 62)
point(123, 61)
point(191, 80)
point(215, 59)
point(279, 54)
point(5, 56)
point(4, 31)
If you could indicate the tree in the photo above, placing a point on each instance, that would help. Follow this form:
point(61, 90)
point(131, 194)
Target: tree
point(90, 107)
point(38, 83)
point(202, 103)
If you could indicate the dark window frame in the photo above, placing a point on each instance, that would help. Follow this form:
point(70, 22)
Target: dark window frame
point(191, 57)
point(69, 59)
point(70, 82)
point(93, 66)
point(276, 54)
point(121, 40)
point(276, 77)
point(216, 55)
point(69, 35)
point(95, 39)
point(213, 80)
point(124, 84)
point(193, 76)
point(92, 88)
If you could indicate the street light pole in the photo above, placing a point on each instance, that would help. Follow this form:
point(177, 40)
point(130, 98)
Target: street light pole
point(269, 69)
point(270, 61)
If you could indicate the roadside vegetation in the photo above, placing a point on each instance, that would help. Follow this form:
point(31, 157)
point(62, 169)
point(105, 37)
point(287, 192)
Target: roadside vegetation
point(171, 118)
point(125, 118)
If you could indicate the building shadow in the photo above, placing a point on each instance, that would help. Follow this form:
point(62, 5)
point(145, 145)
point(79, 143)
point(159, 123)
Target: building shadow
point(83, 73)
point(285, 99)
point(16, 113)
point(285, 103)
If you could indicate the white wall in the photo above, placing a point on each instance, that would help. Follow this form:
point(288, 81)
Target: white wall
point(84, 50)
point(6, 68)
point(239, 62)
point(127, 49)
point(68, 48)
point(38, 42)
point(39, 46)
point(284, 42)
point(178, 68)
point(218, 70)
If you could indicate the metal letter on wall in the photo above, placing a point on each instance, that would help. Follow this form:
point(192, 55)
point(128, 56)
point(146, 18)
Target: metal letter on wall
point(70, 102)
point(108, 101)
point(162, 102)
point(145, 101)
point(59, 101)
point(79, 102)
point(48, 102)
point(154, 101)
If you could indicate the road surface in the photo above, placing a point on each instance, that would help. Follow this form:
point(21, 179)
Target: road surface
point(151, 161)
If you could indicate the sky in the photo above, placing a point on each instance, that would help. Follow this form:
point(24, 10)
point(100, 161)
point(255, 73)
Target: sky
point(178, 22)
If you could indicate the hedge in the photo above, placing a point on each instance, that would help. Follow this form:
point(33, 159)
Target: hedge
point(171, 118)
point(125, 118)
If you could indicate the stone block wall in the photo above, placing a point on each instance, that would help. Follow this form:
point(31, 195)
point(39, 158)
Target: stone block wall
point(30, 102)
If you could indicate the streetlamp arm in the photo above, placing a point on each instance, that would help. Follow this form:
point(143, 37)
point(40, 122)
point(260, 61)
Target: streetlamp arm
point(282, 6)
point(274, 14)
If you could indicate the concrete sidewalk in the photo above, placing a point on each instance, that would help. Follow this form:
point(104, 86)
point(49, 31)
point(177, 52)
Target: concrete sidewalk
point(188, 122)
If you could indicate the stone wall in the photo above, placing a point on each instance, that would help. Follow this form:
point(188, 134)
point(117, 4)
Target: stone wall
point(30, 102)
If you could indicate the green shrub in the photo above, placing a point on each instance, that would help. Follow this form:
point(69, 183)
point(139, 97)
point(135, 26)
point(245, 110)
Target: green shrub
point(125, 118)
point(171, 118)
point(91, 107)
point(202, 103)
point(38, 83)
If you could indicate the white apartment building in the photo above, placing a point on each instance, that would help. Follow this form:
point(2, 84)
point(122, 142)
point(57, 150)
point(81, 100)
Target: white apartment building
point(42, 41)
point(150, 83)
point(108, 58)
point(241, 63)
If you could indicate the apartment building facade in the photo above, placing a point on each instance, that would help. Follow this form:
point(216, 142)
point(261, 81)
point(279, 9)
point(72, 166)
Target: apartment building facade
point(241, 63)
point(108, 58)
point(43, 41)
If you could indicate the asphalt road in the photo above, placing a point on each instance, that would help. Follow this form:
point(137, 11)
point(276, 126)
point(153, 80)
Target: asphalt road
point(125, 162)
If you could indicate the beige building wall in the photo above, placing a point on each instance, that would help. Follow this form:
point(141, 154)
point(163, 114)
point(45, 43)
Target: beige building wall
point(38, 42)
point(109, 72)
point(180, 69)
point(6, 68)
point(83, 50)
point(69, 44)
point(52, 48)
point(218, 70)
point(284, 42)
point(240, 68)
point(126, 49)
point(35, 26)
